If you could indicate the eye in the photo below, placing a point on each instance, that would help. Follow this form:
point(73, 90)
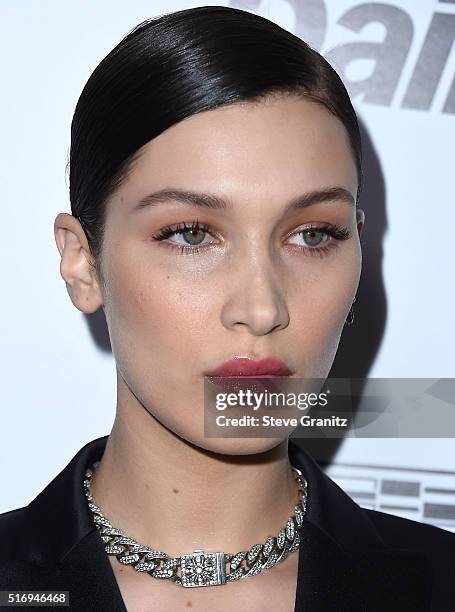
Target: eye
point(319, 239)
point(313, 237)
point(185, 236)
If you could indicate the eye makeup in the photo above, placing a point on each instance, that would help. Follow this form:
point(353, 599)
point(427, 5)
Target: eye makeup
point(318, 239)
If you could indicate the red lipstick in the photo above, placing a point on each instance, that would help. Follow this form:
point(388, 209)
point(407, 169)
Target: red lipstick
point(243, 366)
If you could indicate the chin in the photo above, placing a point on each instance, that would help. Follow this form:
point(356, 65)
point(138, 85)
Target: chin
point(238, 446)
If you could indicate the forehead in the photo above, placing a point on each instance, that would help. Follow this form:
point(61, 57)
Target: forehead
point(280, 145)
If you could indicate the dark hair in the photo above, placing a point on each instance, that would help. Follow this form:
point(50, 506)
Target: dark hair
point(175, 65)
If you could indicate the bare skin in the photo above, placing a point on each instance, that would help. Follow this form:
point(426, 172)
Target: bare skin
point(253, 289)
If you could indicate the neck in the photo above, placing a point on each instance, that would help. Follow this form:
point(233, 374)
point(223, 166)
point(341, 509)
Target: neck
point(175, 497)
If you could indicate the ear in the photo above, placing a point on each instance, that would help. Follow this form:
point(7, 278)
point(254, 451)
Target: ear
point(77, 264)
point(360, 216)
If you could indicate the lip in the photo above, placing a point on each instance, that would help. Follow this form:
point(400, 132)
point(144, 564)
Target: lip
point(244, 366)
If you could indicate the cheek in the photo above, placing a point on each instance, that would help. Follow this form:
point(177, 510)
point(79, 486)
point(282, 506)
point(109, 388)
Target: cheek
point(154, 315)
point(319, 304)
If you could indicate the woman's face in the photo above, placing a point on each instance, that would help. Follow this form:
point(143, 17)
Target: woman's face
point(247, 281)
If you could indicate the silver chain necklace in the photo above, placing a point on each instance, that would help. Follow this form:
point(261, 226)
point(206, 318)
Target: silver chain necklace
point(201, 568)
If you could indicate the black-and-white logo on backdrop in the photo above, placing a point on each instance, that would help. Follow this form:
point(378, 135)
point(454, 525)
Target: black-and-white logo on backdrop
point(389, 56)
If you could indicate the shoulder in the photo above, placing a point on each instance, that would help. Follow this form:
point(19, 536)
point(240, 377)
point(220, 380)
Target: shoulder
point(436, 545)
point(15, 571)
point(399, 532)
point(11, 518)
point(10, 530)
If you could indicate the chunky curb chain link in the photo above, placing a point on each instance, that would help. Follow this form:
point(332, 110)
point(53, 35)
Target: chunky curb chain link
point(241, 565)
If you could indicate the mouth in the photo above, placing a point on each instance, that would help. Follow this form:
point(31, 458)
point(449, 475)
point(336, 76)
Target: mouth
point(268, 367)
point(243, 373)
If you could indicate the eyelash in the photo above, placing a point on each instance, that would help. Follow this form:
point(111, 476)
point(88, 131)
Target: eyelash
point(336, 233)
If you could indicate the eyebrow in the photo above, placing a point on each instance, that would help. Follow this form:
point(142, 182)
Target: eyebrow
point(208, 200)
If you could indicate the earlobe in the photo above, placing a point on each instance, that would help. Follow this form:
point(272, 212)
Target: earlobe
point(76, 266)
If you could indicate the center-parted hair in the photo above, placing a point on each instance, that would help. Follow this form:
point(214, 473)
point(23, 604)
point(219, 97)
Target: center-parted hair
point(176, 65)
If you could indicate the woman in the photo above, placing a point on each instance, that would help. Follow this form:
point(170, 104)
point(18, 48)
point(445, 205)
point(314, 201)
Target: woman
point(215, 173)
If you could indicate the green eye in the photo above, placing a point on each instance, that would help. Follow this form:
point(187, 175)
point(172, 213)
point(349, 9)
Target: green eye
point(185, 236)
point(194, 236)
point(313, 237)
point(319, 239)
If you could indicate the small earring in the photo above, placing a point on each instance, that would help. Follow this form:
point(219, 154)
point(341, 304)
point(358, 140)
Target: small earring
point(350, 317)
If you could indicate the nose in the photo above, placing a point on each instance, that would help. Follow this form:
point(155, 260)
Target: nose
point(255, 300)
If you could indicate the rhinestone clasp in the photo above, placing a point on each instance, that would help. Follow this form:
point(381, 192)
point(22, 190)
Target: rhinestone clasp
point(201, 568)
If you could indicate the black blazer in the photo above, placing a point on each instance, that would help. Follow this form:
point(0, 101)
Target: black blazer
point(350, 559)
